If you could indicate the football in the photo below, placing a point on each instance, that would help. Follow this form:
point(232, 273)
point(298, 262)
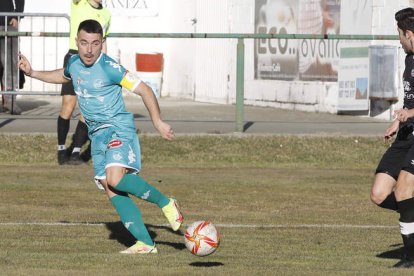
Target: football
point(202, 238)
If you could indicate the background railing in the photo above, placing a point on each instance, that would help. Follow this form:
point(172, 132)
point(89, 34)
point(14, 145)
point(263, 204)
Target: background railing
point(240, 51)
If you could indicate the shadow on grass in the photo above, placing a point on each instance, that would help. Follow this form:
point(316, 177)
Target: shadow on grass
point(206, 264)
point(121, 234)
point(27, 105)
point(395, 253)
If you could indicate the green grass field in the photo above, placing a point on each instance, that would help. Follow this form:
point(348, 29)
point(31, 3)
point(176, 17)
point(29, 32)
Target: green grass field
point(283, 205)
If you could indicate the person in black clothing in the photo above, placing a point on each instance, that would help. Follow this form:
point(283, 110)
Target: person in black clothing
point(393, 187)
point(9, 71)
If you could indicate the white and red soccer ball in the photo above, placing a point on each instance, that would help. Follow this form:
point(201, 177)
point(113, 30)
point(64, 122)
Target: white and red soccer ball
point(202, 238)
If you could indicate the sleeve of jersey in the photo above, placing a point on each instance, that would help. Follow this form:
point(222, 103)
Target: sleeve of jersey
point(130, 81)
point(119, 75)
point(66, 73)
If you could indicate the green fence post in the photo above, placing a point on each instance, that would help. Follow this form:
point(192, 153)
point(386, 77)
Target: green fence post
point(240, 86)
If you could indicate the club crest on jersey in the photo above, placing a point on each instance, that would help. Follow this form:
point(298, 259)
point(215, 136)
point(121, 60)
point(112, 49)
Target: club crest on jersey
point(98, 84)
point(114, 144)
point(117, 156)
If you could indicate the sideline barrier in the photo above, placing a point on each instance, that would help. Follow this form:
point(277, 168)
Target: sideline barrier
point(46, 51)
point(240, 50)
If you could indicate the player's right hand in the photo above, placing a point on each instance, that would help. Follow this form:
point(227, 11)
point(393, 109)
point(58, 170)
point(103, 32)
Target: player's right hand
point(165, 130)
point(391, 130)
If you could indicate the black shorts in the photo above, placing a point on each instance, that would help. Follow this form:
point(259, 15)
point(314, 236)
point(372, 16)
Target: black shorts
point(67, 88)
point(400, 156)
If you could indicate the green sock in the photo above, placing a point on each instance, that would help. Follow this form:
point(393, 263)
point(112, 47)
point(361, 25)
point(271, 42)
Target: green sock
point(135, 185)
point(131, 218)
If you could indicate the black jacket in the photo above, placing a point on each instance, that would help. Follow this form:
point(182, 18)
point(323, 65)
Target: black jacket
point(10, 6)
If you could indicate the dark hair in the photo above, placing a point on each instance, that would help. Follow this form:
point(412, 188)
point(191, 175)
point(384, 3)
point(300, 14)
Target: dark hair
point(405, 19)
point(91, 26)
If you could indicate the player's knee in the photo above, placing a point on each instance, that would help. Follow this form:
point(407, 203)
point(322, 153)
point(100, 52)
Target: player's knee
point(380, 191)
point(377, 196)
point(66, 111)
point(68, 105)
point(114, 175)
point(113, 180)
point(403, 193)
point(404, 188)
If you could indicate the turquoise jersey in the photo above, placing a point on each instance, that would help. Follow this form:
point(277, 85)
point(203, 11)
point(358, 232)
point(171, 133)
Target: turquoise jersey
point(99, 92)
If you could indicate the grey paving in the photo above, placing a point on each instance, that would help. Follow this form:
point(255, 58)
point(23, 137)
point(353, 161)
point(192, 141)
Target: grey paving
point(188, 117)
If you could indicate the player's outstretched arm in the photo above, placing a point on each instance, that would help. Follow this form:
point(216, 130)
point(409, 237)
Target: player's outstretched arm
point(54, 76)
point(153, 108)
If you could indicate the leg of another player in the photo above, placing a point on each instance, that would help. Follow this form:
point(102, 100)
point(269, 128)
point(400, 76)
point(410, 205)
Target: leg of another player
point(63, 124)
point(382, 193)
point(80, 137)
point(405, 201)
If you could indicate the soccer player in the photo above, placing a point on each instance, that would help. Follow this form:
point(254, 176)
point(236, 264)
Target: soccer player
point(116, 155)
point(393, 186)
point(80, 11)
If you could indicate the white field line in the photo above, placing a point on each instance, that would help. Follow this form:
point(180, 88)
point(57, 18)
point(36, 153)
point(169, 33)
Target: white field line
point(265, 226)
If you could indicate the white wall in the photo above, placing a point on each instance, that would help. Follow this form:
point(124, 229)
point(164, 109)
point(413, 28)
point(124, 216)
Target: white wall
point(205, 69)
point(44, 53)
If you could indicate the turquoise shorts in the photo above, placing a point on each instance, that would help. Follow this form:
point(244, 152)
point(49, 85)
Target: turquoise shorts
point(111, 147)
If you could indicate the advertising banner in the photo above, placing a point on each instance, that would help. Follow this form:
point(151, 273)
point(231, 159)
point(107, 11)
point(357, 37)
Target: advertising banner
point(134, 8)
point(294, 59)
point(353, 79)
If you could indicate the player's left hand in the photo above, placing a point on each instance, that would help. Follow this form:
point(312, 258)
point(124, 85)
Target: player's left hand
point(165, 130)
point(13, 22)
point(402, 114)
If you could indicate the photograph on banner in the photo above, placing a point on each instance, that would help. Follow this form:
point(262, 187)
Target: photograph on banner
point(276, 59)
point(292, 59)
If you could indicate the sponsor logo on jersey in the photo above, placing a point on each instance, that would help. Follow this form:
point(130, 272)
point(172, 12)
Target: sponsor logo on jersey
point(131, 156)
point(84, 72)
point(114, 144)
point(412, 73)
point(407, 86)
point(114, 65)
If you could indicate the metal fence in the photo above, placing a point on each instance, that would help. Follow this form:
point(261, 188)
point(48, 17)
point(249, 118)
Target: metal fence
point(46, 52)
point(40, 47)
